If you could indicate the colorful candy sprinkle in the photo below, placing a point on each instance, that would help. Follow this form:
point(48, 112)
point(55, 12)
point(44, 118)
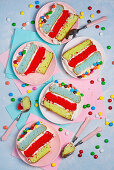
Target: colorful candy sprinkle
point(34, 88)
point(13, 24)
point(12, 99)
point(93, 107)
point(7, 82)
point(98, 134)
point(79, 155)
point(30, 5)
point(92, 82)
point(100, 113)
point(10, 94)
point(67, 133)
point(36, 2)
point(90, 8)
point(110, 107)
point(92, 153)
point(88, 21)
point(98, 11)
point(95, 156)
point(84, 106)
point(101, 97)
point(90, 113)
point(109, 100)
point(101, 150)
point(112, 96)
point(22, 13)
point(81, 16)
point(97, 146)
point(36, 104)
point(23, 85)
point(102, 28)
point(106, 140)
point(106, 123)
point(97, 26)
point(19, 99)
point(37, 6)
point(28, 91)
point(110, 124)
point(80, 151)
point(5, 127)
point(108, 47)
point(103, 82)
point(53, 164)
point(32, 22)
point(92, 15)
point(60, 129)
point(26, 84)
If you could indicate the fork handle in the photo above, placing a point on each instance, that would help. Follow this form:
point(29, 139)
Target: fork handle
point(97, 21)
point(5, 136)
point(93, 133)
point(87, 120)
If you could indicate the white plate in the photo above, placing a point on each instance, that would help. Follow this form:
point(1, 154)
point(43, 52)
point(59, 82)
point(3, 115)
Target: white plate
point(75, 42)
point(53, 117)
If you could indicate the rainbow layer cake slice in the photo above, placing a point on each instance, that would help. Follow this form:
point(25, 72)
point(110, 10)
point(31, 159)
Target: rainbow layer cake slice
point(34, 142)
point(57, 22)
point(63, 99)
point(83, 59)
point(33, 59)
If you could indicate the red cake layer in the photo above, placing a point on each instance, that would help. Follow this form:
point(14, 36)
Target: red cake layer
point(38, 143)
point(61, 101)
point(60, 22)
point(82, 56)
point(39, 56)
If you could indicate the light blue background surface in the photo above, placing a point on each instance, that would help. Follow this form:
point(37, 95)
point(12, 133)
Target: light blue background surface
point(106, 160)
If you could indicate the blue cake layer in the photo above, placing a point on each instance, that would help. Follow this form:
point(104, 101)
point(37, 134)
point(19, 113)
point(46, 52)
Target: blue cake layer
point(34, 133)
point(52, 19)
point(26, 59)
point(66, 93)
point(88, 63)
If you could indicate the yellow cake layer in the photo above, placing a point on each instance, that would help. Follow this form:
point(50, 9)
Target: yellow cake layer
point(40, 153)
point(77, 49)
point(66, 27)
point(68, 149)
point(45, 63)
point(26, 103)
point(59, 110)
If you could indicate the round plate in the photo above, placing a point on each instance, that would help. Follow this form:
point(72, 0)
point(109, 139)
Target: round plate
point(51, 156)
point(53, 117)
point(45, 9)
point(36, 78)
point(75, 42)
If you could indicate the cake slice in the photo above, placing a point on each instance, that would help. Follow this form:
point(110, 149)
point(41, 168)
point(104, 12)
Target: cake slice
point(25, 104)
point(34, 142)
point(62, 100)
point(36, 60)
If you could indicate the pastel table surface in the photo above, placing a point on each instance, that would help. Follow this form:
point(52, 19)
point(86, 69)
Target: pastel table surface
point(87, 162)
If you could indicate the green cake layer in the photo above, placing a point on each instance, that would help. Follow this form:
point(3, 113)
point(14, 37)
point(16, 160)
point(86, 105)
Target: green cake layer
point(45, 63)
point(66, 27)
point(41, 153)
point(26, 103)
point(77, 49)
point(59, 110)
point(68, 149)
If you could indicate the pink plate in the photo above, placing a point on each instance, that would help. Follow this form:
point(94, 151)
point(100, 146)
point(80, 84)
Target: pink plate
point(36, 78)
point(43, 11)
point(51, 156)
